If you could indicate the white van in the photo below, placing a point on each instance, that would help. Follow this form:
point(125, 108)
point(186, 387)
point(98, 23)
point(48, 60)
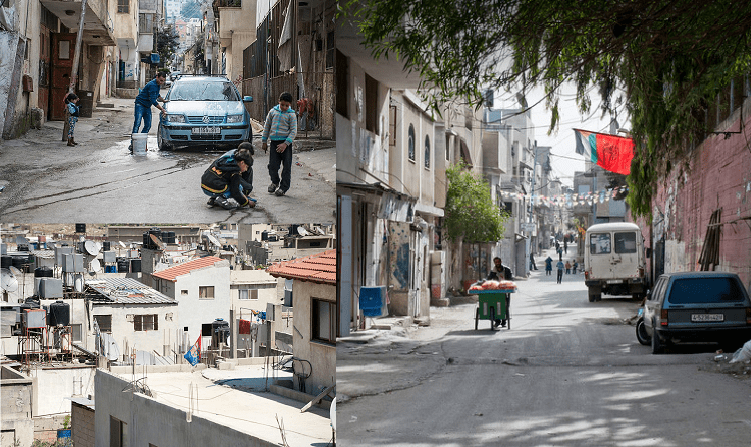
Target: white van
point(614, 260)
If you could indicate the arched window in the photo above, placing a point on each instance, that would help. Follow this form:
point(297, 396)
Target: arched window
point(411, 143)
point(427, 152)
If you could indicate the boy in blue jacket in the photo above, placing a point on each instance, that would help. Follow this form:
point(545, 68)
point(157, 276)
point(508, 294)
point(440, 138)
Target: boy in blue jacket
point(281, 129)
point(71, 103)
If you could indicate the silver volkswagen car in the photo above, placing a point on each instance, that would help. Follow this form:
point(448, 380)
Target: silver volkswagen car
point(204, 111)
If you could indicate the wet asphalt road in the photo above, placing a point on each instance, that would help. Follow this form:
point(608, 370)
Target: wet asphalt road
point(99, 180)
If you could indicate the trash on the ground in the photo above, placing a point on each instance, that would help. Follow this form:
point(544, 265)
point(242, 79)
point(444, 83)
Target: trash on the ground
point(743, 354)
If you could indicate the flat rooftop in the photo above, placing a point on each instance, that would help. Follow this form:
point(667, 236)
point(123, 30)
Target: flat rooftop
point(236, 399)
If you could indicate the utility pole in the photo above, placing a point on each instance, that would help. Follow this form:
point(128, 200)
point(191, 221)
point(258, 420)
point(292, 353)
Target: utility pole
point(74, 68)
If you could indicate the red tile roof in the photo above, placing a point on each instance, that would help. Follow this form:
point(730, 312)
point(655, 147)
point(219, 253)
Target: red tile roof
point(172, 273)
point(319, 268)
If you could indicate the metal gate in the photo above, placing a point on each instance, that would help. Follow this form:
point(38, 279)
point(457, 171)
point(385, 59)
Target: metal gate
point(63, 46)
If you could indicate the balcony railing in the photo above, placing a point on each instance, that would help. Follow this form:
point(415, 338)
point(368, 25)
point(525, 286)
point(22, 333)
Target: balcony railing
point(228, 3)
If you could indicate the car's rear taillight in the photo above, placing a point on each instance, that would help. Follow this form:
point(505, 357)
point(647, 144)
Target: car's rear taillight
point(586, 275)
point(664, 317)
point(748, 315)
point(641, 272)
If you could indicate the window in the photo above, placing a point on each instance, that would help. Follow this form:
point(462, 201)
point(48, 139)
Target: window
point(625, 242)
point(118, 436)
point(324, 321)
point(76, 332)
point(248, 294)
point(599, 243)
point(206, 292)
point(705, 290)
point(427, 152)
point(183, 292)
point(104, 322)
point(411, 143)
point(146, 322)
point(206, 330)
point(123, 6)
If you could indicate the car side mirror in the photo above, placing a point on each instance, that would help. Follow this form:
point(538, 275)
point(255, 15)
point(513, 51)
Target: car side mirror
point(649, 294)
point(247, 99)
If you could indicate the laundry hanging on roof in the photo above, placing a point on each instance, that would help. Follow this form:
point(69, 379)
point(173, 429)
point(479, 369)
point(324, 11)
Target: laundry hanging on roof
point(244, 327)
point(610, 152)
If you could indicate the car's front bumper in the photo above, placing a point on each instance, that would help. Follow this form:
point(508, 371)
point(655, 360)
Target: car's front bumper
point(183, 135)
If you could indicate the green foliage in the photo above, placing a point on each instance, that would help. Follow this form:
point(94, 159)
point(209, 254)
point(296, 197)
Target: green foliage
point(670, 57)
point(470, 212)
point(167, 42)
point(66, 422)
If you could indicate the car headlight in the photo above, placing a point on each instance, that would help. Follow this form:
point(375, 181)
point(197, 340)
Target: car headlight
point(176, 118)
point(234, 118)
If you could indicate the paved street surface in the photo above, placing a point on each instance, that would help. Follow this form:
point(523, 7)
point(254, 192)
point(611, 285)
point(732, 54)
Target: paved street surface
point(100, 180)
point(567, 373)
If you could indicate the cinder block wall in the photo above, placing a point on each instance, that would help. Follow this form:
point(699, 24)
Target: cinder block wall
point(82, 422)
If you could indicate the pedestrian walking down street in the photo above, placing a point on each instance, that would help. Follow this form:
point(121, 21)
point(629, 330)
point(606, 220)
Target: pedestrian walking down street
point(568, 267)
point(565, 246)
point(281, 129)
point(549, 266)
point(231, 175)
point(560, 254)
point(532, 265)
point(576, 266)
point(559, 265)
point(71, 103)
point(149, 96)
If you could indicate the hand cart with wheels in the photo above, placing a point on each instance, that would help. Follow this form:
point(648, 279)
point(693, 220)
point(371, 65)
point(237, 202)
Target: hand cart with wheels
point(491, 306)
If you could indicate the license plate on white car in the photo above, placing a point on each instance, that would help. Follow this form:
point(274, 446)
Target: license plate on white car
point(206, 130)
point(707, 317)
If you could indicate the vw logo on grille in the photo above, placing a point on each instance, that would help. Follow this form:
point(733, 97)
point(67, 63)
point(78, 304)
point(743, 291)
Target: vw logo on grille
point(206, 119)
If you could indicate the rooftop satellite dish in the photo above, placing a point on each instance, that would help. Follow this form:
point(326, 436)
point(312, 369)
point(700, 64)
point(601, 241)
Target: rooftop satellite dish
point(15, 271)
point(20, 240)
point(95, 266)
point(302, 231)
point(8, 281)
point(91, 248)
point(51, 245)
point(522, 100)
point(121, 244)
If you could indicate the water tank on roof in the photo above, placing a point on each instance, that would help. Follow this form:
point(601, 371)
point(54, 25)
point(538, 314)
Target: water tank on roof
point(123, 265)
point(135, 265)
point(80, 228)
point(6, 261)
point(264, 235)
point(106, 246)
point(43, 272)
point(219, 332)
point(59, 314)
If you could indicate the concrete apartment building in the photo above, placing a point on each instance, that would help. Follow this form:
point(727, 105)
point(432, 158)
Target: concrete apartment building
point(201, 288)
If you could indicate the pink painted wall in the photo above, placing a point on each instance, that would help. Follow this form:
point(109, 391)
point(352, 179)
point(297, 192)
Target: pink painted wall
point(719, 177)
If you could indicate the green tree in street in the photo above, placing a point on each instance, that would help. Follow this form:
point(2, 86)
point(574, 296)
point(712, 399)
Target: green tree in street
point(470, 213)
point(665, 61)
point(167, 42)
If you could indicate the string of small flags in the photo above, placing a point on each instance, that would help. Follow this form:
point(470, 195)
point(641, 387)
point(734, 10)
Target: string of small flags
point(571, 199)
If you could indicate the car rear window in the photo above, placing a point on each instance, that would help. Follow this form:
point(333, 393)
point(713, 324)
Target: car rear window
point(625, 242)
point(203, 91)
point(599, 243)
point(705, 290)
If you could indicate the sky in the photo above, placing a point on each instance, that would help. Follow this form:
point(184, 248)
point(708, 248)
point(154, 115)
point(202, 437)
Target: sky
point(565, 161)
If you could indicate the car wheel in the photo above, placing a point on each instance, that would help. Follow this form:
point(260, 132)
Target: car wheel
point(163, 146)
point(641, 333)
point(657, 345)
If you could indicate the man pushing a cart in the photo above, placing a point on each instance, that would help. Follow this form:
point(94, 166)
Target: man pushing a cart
point(499, 272)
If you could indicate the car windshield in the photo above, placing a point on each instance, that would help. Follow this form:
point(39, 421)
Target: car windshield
point(203, 91)
point(705, 290)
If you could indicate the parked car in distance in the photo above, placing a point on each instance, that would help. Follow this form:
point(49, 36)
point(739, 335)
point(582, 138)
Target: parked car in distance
point(696, 307)
point(614, 260)
point(204, 111)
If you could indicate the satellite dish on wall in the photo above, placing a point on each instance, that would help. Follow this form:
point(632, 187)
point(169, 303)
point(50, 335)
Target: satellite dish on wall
point(15, 271)
point(91, 247)
point(95, 266)
point(302, 231)
point(20, 240)
point(8, 281)
point(121, 244)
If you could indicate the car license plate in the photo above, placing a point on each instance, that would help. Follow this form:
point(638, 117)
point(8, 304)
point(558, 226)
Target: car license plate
point(206, 130)
point(707, 317)
point(615, 281)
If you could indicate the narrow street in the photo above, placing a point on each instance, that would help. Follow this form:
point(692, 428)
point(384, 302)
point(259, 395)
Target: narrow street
point(567, 373)
point(100, 180)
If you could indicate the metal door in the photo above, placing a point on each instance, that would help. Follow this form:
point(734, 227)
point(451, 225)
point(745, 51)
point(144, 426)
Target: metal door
point(44, 70)
point(63, 46)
